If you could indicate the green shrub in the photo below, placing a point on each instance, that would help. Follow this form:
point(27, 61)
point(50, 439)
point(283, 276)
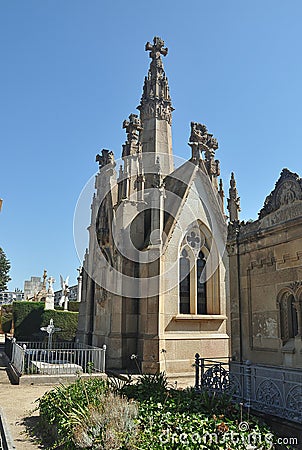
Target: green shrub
point(27, 318)
point(66, 320)
point(148, 387)
point(86, 414)
point(6, 318)
point(171, 419)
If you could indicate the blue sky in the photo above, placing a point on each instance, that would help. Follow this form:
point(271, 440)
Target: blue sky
point(73, 70)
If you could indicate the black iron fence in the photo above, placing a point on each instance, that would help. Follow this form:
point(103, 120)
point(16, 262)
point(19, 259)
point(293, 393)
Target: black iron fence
point(273, 390)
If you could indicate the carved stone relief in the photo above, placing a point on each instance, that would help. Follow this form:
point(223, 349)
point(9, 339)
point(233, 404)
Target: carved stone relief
point(288, 190)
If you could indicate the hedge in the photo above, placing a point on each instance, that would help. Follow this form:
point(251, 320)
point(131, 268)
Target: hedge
point(66, 320)
point(29, 317)
point(6, 318)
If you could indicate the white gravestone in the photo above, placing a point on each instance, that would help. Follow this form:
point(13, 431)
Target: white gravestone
point(50, 298)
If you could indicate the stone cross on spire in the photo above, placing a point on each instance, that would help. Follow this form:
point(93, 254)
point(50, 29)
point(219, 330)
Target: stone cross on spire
point(157, 48)
point(156, 110)
point(156, 100)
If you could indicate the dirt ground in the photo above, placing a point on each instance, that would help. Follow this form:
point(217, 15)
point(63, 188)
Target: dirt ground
point(18, 403)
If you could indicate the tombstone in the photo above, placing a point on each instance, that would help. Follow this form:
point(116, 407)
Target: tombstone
point(50, 298)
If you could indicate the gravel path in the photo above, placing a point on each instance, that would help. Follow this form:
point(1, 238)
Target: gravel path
point(17, 403)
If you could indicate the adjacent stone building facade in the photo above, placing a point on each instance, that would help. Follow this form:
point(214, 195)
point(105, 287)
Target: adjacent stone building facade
point(266, 277)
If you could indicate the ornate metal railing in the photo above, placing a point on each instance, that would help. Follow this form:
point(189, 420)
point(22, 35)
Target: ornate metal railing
point(212, 374)
point(273, 390)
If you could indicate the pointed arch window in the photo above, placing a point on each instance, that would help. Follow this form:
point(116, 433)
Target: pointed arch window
point(199, 287)
point(185, 283)
point(192, 283)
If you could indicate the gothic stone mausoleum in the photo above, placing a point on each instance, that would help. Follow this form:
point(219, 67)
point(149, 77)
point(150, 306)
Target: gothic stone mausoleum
point(167, 273)
point(155, 272)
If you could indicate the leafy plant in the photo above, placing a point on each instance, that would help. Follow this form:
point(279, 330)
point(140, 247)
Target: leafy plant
point(109, 426)
point(118, 384)
point(148, 387)
point(86, 414)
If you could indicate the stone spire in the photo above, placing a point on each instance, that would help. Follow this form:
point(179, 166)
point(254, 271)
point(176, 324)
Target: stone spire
point(233, 200)
point(156, 109)
point(156, 100)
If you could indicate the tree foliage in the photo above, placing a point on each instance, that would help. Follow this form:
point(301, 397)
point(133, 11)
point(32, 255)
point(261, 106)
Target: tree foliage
point(4, 270)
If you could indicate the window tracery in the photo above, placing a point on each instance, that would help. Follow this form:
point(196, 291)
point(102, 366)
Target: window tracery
point(198, 288)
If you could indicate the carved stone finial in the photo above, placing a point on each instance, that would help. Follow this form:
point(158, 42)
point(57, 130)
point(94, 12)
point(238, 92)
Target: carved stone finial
point(157, 48)
point(221, 194)
point(203, 141)
point(233, 200)
point(133, 127)
point(200, 135)
point(107, 157)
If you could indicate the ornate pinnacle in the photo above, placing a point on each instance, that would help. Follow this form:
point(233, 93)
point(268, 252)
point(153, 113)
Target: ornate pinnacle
point(221, 194)
point(156, 100)
point(233, 200)
point(133, 127)
point(203, 141)
point(233, 183)
point(107, 157)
